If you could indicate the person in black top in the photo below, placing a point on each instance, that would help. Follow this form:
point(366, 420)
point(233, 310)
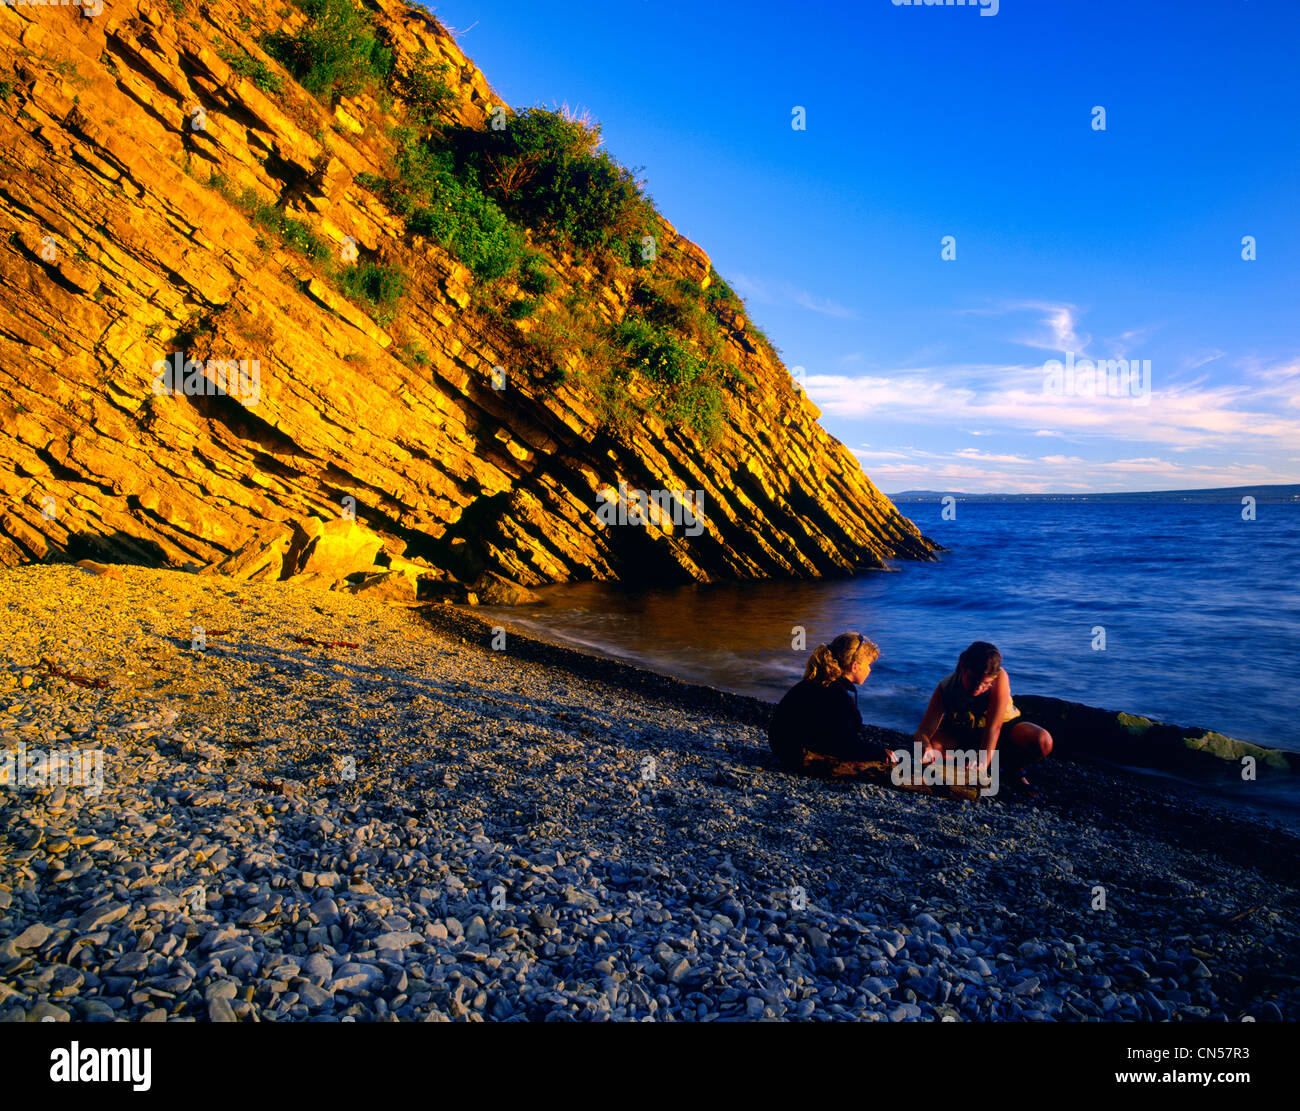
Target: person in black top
point(819, 715)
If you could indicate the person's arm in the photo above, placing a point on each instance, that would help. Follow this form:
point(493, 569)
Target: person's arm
point(930, 722)
point(999, 700)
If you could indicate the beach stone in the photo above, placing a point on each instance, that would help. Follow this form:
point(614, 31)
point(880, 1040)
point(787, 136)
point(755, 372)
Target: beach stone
point(353, 977)
point(318, 969)
point(33, 937)
point(397, 939)
point(221, 989)
point(326, 911)
point(817, 940)
point(47, 1012)
point(313, 996)
point(220, 1010)
point(131, 964)
point(101, 916)
point(678, 970)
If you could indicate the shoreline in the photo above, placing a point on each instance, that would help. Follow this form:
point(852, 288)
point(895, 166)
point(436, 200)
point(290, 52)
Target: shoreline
point(1081, 732)
point(389, 823)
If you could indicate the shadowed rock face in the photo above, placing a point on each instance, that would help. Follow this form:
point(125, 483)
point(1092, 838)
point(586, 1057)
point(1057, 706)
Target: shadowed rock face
point(113, 247)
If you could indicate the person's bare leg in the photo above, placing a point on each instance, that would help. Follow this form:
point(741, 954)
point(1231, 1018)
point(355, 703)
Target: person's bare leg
point(1022, 745)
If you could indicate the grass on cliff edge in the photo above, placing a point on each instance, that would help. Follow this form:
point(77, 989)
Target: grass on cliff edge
point(374, 284)
point(482, 192)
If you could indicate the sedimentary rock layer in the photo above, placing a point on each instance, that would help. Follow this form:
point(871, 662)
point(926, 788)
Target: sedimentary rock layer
point(115, 252)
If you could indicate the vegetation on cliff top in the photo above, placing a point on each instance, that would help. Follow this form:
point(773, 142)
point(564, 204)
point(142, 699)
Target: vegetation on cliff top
point(508, 199)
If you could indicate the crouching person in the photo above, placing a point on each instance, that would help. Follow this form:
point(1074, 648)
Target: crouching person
point(971, 712)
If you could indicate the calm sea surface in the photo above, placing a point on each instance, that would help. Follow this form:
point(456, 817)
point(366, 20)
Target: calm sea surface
point(1201, 613)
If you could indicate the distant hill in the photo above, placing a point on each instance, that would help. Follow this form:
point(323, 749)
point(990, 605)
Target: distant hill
point(1273, 493)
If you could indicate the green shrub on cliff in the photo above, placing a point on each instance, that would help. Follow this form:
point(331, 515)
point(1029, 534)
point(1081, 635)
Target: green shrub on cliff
point(451, 211)
point(335, 53)
point(482, 192)
point(424, 90)
point(545, 169)
point(377, 285)
point(689, 387)
point(264, 214)
point(244, 64)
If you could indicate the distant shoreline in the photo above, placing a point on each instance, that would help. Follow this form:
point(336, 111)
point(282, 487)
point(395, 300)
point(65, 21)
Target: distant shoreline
point(1269, 494)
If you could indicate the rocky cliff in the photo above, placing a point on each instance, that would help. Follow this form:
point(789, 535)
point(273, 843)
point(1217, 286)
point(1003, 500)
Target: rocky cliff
point(117, 251)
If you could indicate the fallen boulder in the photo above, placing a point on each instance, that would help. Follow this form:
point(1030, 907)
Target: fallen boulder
point(330, 549)
point(261, 559)
point(388, 586)
point(492, 589)
point(1080, 731)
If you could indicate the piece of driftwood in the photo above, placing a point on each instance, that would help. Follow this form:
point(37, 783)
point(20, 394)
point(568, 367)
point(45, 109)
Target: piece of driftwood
point(878, 771)
point(47, 667)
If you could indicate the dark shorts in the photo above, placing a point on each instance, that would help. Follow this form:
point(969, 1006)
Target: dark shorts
point(973, 739)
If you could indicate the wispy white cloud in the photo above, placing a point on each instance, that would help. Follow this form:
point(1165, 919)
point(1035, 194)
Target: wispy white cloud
point(1195, 362)
point(785, 294)
point(1057, 323)
point(1067, 473)
point(1260, 409)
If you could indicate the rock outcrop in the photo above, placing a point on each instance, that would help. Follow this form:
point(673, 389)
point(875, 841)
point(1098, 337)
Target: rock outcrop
point(1086, 732)
point(117, 253)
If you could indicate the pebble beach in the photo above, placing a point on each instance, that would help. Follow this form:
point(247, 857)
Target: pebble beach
point(328, 807)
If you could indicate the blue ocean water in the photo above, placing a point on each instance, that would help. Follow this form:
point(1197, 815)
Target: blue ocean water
point(1200, 611)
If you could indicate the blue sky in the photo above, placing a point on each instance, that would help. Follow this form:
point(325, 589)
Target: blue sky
point(926, 122)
